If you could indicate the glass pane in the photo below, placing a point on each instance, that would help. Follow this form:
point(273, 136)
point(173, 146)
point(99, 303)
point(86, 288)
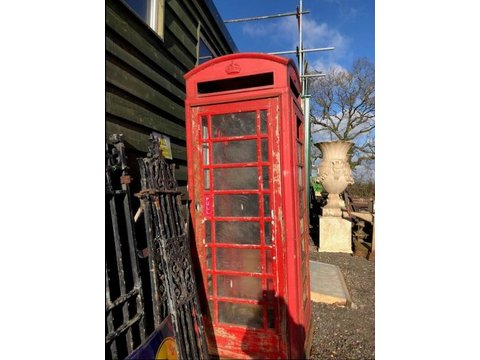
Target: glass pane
point(204, 127)
point(206, 179)
point(208, 231)
point(210, 308)
point(270, 293)
point(237, 232)
point(242, 151)
point(205, 154)
point(299, 154)
point(210, 284)
point(305, 277)
point(264, 150)
point(236, 205)
point(237, 124)
point(209, 258)
point(240, 287)
point(266, 205)
point(266, 178)
point(303, 269)
point(268, 261)
point(263, 121)
point(140, 7)
point(301, 202)
point(204, 52)
point(268, 234)
point(241, 314)
point(299, 128)
point(235, 178)
point(247, 260)
point(270, 318)
point(300, 177)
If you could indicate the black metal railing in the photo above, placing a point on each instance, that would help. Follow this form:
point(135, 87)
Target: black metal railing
point(124, 303)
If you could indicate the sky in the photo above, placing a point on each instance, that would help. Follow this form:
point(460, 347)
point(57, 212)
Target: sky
point(349, 26)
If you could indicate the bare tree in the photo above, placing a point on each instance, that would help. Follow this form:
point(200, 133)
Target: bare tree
point(343, 108)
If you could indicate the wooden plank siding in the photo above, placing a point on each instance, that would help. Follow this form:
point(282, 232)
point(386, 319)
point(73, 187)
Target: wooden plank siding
point(145, 89)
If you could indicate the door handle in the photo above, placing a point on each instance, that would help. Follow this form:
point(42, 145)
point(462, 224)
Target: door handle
point(198, 207)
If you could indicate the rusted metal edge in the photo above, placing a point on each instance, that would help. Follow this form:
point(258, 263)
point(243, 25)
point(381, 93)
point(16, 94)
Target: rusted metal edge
point(146, 192)
point(115, 192)
point(125, 179)
point(121, 299)
point(122, 328)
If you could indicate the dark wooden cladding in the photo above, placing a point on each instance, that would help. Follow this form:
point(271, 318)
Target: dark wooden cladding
point(187, 19)
point(145, 89)
point(132, 83)
point(141, 115)
point(155, 75)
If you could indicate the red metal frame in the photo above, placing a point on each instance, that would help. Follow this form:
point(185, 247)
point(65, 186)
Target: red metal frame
point(285, 286)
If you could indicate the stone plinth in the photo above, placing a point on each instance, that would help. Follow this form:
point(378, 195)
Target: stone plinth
point(335, 235)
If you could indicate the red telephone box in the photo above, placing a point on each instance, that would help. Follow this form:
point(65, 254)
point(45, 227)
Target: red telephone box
point(246, 183)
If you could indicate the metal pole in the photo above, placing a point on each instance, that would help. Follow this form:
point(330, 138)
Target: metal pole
point(312, 76)
point(304, 51)
point(300, 43)
point(264, 17)
point(306, 113)
point(308, 162)
point(319, 49)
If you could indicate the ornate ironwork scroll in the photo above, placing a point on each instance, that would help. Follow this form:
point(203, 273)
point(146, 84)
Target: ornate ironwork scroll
point(124, 305)
point(166, 235)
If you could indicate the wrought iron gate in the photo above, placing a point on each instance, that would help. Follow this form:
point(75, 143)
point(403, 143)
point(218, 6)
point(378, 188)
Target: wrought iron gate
point(172, 285)
point(124, 303)
point(167, 239)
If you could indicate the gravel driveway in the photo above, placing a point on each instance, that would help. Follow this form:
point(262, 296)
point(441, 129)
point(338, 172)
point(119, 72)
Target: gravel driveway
point(346, 332)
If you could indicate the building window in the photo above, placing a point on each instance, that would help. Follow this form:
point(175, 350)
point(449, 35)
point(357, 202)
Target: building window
point(151, 11)
point(205, 51)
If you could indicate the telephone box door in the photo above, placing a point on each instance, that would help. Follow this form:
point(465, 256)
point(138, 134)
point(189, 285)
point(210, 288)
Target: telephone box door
point(236, 147)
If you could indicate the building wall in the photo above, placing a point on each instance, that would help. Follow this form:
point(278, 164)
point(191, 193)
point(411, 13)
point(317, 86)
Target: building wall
point(145, 89)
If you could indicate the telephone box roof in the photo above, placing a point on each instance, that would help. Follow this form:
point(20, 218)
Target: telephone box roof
point(246, 55)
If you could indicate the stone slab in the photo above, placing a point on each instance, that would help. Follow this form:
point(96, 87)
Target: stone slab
point(327, 284)
point(335, 235)
point(363, 215)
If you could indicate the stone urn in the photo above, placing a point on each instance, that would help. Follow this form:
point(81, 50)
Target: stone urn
point(334, 174)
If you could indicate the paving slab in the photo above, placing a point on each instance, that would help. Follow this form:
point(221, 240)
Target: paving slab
point(327, 284)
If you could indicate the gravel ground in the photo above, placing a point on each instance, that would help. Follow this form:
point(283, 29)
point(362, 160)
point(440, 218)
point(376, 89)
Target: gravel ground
point(346, 332)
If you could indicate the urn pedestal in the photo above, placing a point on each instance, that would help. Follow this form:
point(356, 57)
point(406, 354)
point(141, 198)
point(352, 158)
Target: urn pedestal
point(334, 174)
